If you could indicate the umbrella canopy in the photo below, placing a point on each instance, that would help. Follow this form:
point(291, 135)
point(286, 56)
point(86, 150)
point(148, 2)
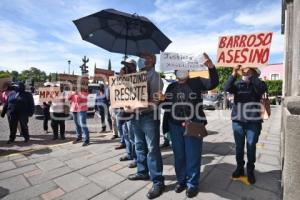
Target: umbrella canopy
point(121, 32)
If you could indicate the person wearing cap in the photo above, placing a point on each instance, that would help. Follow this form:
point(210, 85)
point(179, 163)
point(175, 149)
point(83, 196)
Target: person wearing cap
point(147, 133)
point(126, 118)
point(246, 116)
point(183, 101)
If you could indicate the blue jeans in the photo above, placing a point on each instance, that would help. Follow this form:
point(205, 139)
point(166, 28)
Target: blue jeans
point(147, 136)
point(249, 131)
point(187, 154)
point(128, 132)
point(81, 126)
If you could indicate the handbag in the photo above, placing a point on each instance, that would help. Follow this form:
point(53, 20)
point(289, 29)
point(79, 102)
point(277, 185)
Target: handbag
point(265, 106)
point(195, 129)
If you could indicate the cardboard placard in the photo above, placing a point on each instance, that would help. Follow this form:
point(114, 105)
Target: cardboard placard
point(129, 90)
point(77, 82)
point(47, 94)
point(181, 61)
point(3, 81)
point(250, 50)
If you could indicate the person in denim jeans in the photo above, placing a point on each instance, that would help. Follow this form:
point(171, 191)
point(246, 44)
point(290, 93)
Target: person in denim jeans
point(79, 109)
point(182, 99)
point(246, 116)
point(129, 138)
point(147, 134)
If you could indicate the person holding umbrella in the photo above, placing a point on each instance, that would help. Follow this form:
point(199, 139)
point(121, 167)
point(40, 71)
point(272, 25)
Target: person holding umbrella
point(147, 134)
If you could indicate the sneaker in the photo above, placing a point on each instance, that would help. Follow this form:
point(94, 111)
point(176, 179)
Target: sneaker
point(85, 144)
point(121, 146)
point(155, 191)
point(238, 172)
point(125, 158)
point(191, 192)
point(77, 141)
point(137, 177)
point(132, 165)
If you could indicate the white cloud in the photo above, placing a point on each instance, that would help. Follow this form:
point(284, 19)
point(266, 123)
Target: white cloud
point(261, 16)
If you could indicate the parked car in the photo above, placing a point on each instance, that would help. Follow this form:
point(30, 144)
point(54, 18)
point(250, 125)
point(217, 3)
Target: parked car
point(213, 101)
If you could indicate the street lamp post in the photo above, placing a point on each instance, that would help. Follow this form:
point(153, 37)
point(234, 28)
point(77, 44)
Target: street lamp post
point(69, 62)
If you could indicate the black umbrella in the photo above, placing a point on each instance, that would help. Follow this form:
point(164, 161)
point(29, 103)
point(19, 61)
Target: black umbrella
point(121, 32)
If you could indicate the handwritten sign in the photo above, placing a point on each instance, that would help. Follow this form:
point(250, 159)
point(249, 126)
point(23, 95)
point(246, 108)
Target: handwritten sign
point(179, 61)
point(250, 50)
point(76, 82)
point(129, 90)
point(47, 94)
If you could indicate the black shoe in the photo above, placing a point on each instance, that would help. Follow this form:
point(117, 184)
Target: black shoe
point(164, 145)
point(191, 192)
point(86, 143)
point(238, 172)
point(251, 177)
point(77, 140)
point(26, 140)
point(125, 158)
point(155, 191)
point(62, 137)
point(179, 188)
point(132, 165)
point(55, 138)
point(114, 137)
point(136, 177)
point(9, 142)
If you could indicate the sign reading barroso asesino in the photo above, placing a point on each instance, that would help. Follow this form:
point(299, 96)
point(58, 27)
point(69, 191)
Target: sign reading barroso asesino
point(248, 50)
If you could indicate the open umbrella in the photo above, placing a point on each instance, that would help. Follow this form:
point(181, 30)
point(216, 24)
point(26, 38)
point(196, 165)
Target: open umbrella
point(121, 32)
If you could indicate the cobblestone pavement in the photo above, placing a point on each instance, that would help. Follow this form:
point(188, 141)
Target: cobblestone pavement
point(44, 169)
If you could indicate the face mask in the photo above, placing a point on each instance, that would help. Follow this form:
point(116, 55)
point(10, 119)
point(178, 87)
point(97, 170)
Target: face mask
point(246, 78)
point(182, 74)
point(141, 63)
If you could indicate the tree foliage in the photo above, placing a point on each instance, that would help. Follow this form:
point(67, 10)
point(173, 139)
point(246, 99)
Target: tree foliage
point(274, 87)
point(224, 73)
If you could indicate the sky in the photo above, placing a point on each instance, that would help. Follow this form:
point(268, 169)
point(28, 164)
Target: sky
point(40, 33)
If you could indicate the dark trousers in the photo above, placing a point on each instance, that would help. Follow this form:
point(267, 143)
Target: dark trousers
point(13, 121)
point(250, 132)
point(104, 113)
point(45, 122)
point(58, 122)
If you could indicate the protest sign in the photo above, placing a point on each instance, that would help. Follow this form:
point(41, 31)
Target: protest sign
point(129, 90)
point(76, 82)
point(181, 61)
point(250, 50)
point(4, 82)
point(47, 94)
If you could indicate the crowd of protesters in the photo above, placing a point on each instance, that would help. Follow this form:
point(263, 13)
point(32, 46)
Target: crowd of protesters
point(139, 128)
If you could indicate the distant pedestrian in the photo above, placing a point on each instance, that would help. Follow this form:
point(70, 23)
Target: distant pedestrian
point(46, 113)
point(246, 116)
point(78, 101)
point(19, 107)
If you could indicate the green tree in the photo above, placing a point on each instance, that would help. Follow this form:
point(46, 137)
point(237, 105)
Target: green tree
point(4, 74)
point(224, 73)
point(109, 65)
point(274, 87)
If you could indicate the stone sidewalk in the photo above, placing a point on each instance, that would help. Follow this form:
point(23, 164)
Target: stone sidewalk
point(68, 171)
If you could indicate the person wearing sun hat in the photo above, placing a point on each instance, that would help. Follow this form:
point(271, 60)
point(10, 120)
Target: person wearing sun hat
point(246, 116)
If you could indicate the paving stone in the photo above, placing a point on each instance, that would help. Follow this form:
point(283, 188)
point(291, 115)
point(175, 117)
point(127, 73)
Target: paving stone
point(71, 181)
point(96, 167)
point(50, 164)
point(46, 176)
point(116, 167)
point(250, 192)
point(220, 178)
point(78, 163)
point(126, 171)
point(106, 178)
point(31, 192)
point(4, 166)
point(14, 183)
point(208, 192)
point(85, 192)
point(272, 147)
point(268, 159)
point(33, 173)
point(53, 194)
point(105, 196)
point(127, 188)
point(17, 171)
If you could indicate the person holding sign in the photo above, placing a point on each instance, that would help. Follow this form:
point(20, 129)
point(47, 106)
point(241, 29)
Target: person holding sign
point(246, 116)
point(183, 101)
point(146, 130)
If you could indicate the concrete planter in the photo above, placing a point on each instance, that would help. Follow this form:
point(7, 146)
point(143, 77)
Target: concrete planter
point(291, 148)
